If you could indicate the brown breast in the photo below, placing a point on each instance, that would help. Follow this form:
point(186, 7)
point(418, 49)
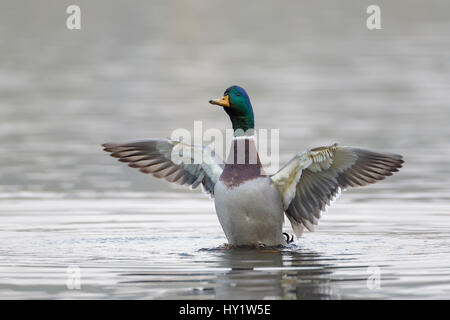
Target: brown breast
point(242, 164)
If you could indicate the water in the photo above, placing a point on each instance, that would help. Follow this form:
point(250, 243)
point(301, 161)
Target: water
point(312, 70)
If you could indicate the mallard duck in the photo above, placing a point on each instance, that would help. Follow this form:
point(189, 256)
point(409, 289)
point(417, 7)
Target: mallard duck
point(250, 204)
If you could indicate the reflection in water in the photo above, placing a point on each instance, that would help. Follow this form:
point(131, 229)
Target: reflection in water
point(289, 273)
point(149, 248)
point(273, 274)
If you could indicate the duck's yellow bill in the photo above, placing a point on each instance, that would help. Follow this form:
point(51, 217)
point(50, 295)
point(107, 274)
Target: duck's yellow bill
point(224, 101)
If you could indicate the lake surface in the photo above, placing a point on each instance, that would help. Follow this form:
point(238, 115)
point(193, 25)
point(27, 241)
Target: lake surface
point(69, 212)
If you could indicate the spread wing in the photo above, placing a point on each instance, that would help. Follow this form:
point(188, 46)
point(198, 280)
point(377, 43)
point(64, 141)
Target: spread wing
point(313, 178)
point(171, 160)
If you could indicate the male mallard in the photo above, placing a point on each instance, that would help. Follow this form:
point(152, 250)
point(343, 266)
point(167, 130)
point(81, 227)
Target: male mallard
point(251, 205)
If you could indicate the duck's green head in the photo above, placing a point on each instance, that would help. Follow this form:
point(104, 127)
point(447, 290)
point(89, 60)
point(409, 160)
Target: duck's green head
point(236, 103)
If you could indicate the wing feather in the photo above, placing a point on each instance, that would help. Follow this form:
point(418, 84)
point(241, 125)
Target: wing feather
point(313, 178)
point(171, 160)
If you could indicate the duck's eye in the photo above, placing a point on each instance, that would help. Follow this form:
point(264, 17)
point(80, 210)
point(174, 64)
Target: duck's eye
point(238, 94)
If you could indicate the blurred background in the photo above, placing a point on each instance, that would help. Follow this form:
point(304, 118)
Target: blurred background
point(144, 68)
point(140, 69)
